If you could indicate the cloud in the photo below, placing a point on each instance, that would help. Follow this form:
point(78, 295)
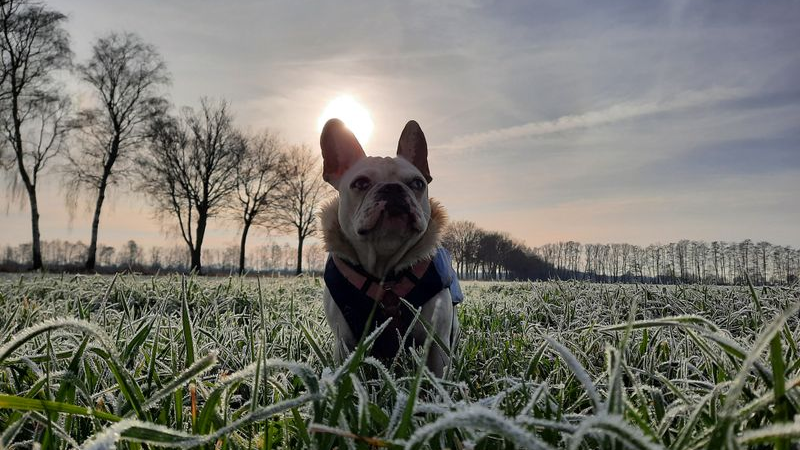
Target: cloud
point(615, 113)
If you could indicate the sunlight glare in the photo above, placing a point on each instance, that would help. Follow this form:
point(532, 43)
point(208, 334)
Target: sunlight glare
point(352, 113)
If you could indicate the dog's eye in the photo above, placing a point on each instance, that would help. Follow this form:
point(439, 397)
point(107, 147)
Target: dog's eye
point(416, 184)
point(361, 183)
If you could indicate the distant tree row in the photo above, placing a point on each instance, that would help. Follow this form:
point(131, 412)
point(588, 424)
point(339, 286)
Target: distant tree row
point(477, 255)
point(489, 255)
point(270, 258)
point(193, 166)
point(683, 261)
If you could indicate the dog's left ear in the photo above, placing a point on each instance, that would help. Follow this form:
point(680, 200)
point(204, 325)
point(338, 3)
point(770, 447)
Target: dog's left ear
point(340, 150)
point(414, 148)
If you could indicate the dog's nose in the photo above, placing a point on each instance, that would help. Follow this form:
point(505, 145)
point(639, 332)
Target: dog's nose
point(391, 190)
point(395, 197)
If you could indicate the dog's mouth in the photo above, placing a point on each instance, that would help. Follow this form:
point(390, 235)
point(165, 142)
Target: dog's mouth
point(393, 218)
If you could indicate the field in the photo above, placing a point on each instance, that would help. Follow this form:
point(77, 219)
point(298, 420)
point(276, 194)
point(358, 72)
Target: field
point(136, 362)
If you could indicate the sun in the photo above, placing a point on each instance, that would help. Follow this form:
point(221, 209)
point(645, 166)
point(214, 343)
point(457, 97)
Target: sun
point(353, 114)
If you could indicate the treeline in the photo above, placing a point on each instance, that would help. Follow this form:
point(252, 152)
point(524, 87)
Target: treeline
point(489, 255)
point(270, 258)
point(193, 164)
point(684, 261)
point(477, 255)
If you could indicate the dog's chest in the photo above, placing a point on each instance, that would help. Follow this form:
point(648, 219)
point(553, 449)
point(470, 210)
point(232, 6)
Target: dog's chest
point(391, 307)
point(356, 294)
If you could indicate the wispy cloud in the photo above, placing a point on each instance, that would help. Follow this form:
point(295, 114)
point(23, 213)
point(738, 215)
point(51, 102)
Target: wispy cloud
point(615, 113)
point(365, 58)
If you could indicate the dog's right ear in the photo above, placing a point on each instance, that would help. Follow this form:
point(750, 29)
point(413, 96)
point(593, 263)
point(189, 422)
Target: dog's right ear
point(340, 150)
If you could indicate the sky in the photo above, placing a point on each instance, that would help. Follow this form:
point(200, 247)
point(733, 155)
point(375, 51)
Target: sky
point(618, 121)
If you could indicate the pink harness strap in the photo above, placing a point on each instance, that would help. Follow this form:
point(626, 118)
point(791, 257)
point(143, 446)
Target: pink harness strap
point(375, 291)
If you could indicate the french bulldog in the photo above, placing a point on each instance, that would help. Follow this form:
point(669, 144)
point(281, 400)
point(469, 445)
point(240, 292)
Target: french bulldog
point(382, 234)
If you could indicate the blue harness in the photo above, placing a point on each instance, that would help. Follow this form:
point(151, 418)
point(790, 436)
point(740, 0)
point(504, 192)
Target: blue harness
point(356, 292)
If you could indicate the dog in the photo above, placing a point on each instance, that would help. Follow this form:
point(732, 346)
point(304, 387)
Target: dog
point(382, 234)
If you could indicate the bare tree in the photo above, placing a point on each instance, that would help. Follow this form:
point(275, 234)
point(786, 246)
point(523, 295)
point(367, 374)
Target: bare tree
point(33, 114)
point(315, 257)
point(302, 196)
point(8, 14)
point(189, 169)
point(259, 179)
point(125, 75)
point(276, 256)
point(130, 255)
point(462, 238)
point(106, 254)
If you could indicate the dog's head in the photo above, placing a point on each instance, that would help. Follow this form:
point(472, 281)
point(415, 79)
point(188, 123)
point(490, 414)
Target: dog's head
point(383, 202)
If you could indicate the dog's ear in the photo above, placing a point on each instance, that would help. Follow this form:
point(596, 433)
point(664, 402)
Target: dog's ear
point(340, 150)
point(414, 148)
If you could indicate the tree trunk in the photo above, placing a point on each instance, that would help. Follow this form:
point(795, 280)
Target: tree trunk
point(30, 184)
point(195, 260)
point(299, 269)
point(36, 246)
point(91, 256)
point(101, 196)
point(197, 251)
point(242, 246)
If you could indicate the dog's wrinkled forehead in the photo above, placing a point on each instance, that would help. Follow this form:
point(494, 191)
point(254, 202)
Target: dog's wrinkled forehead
point(386, 169)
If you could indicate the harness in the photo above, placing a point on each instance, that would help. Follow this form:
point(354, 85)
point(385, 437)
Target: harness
point(355, 292)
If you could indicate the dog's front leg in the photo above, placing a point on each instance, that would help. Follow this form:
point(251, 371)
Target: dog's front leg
point(343, 340)
point(438, 314)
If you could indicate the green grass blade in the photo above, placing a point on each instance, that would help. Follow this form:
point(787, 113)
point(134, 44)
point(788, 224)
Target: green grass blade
point(771, 434)
point(723, 430)
point(616, 428)
point(186, 323)
point(48, 406)
point(781, 413)
point(200, 366)
point(578, 370)
point(478, 418)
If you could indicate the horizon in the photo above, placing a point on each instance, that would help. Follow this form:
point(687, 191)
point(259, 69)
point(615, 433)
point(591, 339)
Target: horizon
point(633, 123)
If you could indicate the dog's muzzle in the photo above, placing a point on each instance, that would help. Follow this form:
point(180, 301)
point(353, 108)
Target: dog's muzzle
point(395, 197)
